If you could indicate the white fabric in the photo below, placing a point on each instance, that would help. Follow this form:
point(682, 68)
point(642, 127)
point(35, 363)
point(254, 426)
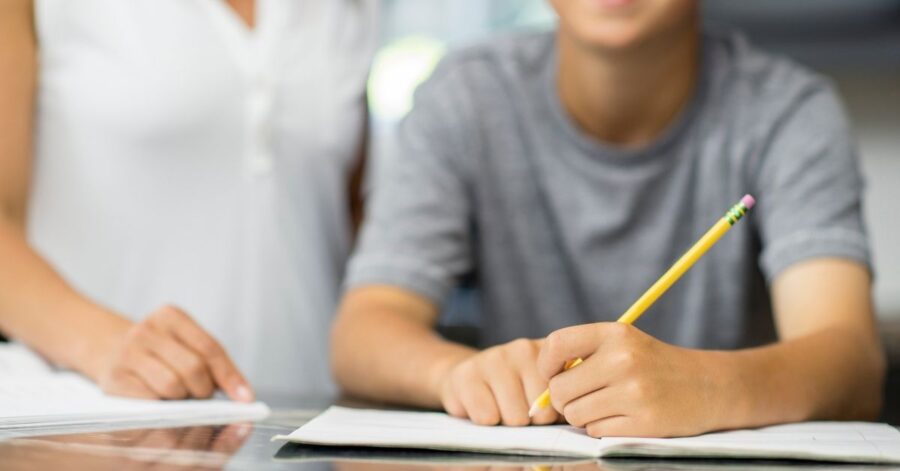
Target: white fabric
point(183, 158)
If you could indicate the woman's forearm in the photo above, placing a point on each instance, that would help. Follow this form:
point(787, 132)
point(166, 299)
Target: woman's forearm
point(38, 308)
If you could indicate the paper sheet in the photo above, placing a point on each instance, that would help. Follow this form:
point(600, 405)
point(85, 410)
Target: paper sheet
point(35, 399)
point(431, 430)
point(824, 441)
point(832, 441)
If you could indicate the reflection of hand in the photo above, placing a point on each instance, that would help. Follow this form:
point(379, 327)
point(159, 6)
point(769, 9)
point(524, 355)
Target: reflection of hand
point(184, 448)
point(168, 356)
point(631, 384)
point(225, 439)
point(496, 385)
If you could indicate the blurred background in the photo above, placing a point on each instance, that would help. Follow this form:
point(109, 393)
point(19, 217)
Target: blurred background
point(855, 43)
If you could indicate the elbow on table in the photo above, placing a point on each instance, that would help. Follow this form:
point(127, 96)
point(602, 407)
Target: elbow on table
point(867, 395)
point(341, 360)
point(878, 373)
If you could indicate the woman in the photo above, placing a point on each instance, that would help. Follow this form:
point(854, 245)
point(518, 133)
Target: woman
point(200, 154)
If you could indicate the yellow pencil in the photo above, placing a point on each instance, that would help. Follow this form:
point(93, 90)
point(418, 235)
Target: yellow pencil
point(668, 279)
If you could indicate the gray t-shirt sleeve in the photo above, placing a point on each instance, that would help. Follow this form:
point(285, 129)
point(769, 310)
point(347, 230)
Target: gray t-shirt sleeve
point(810, 188)
point(417, 233)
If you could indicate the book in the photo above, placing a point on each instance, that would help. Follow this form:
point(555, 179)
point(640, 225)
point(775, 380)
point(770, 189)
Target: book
point(858, 442)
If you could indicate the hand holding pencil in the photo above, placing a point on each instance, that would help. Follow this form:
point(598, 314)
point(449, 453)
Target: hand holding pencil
point(625, 379)
point(631, 372)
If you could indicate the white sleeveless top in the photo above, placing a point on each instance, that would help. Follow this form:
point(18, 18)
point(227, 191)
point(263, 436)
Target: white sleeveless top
point(181, 158)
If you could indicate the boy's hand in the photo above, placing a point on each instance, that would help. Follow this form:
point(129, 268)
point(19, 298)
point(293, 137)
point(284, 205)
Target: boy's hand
point(497, 385)
point(631, 384)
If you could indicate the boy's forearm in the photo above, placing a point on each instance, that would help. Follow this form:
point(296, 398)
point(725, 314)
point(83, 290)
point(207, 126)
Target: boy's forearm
point(833, 374)
point(383, 355)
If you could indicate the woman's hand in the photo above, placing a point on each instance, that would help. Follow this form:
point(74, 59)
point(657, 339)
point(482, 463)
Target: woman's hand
point(631, 384)
point(167, 356)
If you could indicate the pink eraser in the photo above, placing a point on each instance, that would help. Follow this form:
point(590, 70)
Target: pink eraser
point(748, 201)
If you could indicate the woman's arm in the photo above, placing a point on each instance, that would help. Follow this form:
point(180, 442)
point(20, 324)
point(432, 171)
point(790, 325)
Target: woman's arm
point(30, 291)
point(166, 356)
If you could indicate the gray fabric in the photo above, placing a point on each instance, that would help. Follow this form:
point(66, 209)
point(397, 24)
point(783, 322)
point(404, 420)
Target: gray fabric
point(492, 178)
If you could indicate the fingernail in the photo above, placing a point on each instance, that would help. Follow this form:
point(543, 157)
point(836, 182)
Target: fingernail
point(243, 393)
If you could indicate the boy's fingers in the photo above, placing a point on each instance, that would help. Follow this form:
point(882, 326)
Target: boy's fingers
point(479, 403)
point(575, 342)
point(534, 385)
point(591, 375)
point(453, 406)
point(616, 426)
point(510, 396)
point(591, 407)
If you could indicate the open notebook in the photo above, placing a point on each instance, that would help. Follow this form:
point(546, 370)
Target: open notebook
point(37, 399)
point(825, 441)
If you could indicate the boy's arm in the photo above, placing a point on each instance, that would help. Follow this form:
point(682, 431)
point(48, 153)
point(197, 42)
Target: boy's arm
point(829, 363)
point(384, 347)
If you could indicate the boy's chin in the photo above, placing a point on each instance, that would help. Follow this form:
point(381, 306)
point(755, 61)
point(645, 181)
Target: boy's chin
point(610, 37)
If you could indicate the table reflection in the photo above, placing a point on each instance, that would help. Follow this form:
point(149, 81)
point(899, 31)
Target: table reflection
point(206, 447)
point(242, 446)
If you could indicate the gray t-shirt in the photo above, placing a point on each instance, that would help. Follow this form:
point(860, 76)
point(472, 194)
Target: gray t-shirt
point(492, 179)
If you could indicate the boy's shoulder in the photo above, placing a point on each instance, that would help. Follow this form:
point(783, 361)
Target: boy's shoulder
point(761, 82)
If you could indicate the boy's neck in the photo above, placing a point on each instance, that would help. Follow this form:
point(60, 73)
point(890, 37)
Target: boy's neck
point(628, 97)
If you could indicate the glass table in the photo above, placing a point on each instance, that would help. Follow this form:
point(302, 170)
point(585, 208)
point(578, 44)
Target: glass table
point(248, 445)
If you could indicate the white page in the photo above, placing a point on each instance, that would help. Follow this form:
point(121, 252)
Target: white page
point(432, 430)
point(35, 397)
point(834, 441)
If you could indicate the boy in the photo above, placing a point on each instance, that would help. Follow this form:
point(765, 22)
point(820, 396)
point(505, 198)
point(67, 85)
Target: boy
point(567, 171)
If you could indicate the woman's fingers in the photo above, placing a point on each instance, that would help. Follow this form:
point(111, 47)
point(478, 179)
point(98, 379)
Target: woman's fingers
point(127, 384)
point(224, 373)
point(189, 367)
point(169, 356)
point(158, 377)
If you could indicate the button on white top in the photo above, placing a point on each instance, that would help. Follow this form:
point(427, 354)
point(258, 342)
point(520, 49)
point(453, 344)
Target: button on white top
point(260, 164)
